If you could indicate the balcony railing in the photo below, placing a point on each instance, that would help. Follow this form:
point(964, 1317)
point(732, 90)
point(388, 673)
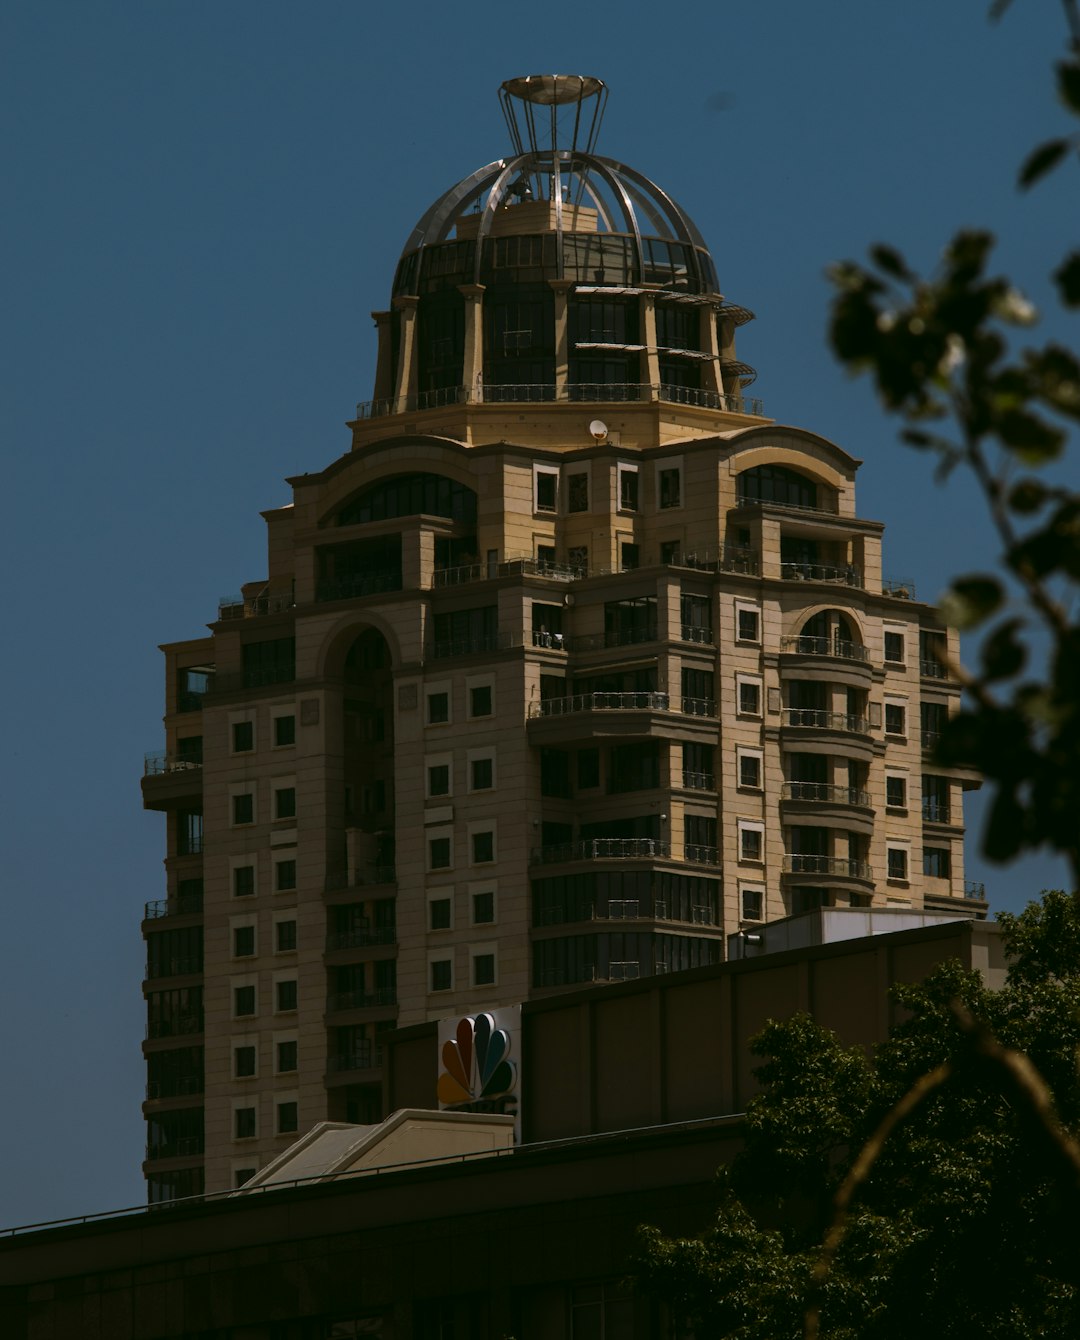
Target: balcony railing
point(173, 967)
point(701, 855)
point(795, 864)
point(626, 970)
point(699, 707)
point(727, 559)
point(700, 635)
point(601, 849)
point(361, 1000)
point(179, 1086)
point(360, 584)
point(931, 668)
point(237, 607)
point(473, 646)
point(936, 811)
point(630, 637)
point(644, 701)
point(899, 588)
point(181, 905)
point(178, 1025)
point(549, 393)
point(975, 889)
point(826, 505)
point(360, 937)
point(184, 1146)
point(366, 1059)
point(844, 575)
point(160, 764)
point(819, 720)
point(930, 740)
point(821, 792)
point(698, 781)
point(804, 645)
point(361, 874)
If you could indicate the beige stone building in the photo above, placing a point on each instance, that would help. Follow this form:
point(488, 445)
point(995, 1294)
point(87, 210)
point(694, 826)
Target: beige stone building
point(574, 664)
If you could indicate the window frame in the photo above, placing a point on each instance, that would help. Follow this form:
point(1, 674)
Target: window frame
point(749, 681)
point(742, 755)
point(545, 472)
point(751, 828)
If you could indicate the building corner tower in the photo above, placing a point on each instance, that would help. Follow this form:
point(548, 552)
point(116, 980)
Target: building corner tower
point(574, 665)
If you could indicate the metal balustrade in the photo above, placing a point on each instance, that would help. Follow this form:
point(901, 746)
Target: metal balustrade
point(898, 588)
point(601, 849)
point(182, 905)
point(360, 937)
point(182, 1086)
point(704, 636)
point(930, 668)
point(823, 793)
point(361, 1000)
point(698, 781)
point(826, 506)
point(805, 645)
point(367, 1059)
point(473, 646)
point(160, 764)
point(798, 864)
point(698, 854)
point(936, 811)
point(975, 889)
point(361, 874)
point(812, 718)
point(239, 607)
point(644, 701)
point(842, 575)
point(549, 393)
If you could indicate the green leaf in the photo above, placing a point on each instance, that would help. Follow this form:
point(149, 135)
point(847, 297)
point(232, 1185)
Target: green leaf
point(889, 259)
point(1027, 496)
point(1067, 278)
point(1040, 161)
point(1068, 82)
point(971, 600)
point(1003, 655)
point(1031, 439)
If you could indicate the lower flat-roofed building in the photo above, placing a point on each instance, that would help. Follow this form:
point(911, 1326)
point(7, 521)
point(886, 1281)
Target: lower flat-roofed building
point(629, 1097)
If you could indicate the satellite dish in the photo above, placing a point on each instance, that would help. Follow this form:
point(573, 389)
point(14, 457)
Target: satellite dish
point(598, 428)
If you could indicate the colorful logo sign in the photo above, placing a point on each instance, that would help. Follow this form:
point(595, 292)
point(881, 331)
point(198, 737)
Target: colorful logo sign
point(476, 1068)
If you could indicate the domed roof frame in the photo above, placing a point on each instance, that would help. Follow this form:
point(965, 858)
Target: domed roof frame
point(632, 191)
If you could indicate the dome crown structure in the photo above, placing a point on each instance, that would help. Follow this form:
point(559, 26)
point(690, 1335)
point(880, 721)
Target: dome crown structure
point(556, 275)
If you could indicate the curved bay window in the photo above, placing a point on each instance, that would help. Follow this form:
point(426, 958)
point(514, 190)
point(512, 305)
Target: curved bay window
point(778, 484)
point(441, 341)
point(519, 342)
point(410, 495)
point(597, 321)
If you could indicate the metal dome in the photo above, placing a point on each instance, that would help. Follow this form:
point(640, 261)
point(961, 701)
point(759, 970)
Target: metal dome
point(555, 184)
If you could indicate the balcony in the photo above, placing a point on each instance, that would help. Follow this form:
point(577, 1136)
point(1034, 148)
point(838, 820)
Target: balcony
point(174, 967)
point(811, 718)
point(184, 1146)
point(630, 637)
point(624, 909)
point(697, 854)
point(975, 890)
point(360, 875)
point(482, 644)
point(367, 1058)
point(805, 645)
point(698, 781)
point(899, 588)
point(936, 811)
point(703, 636)
point(180, 905)
point(546, 393)
point(358, 585)
point(931, 668)
point(822, 794)
point(827, 505)
point(253, 607)
point(844, 575)
point(835, 866)
point(383, 998)
point(170, 781)
point(178, 1086)
point(175, 1026)
point(601, 849)
point(645, 701)
point(361, 937)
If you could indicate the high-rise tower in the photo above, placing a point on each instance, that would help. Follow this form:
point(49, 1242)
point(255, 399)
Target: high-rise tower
point(573, 665)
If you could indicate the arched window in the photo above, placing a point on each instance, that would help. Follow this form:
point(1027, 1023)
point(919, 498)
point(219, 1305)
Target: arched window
point(776, 483)
point(409, 495)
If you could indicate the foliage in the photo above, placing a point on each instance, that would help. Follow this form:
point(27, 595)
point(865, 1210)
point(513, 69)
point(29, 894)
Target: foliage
point(941, 354)
point(962, 1225)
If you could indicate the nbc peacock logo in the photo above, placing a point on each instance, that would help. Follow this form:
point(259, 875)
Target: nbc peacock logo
point(476, 1065)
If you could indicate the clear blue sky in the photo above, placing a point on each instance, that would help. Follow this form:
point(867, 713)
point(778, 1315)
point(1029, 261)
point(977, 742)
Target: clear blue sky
point(203, 202)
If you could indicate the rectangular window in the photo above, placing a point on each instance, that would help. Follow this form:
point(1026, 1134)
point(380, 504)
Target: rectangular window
point(244, 1123)
point(243, 1001)
point(577, 493)
point(897, 859)
point(480, 700)
point(936, 862)
point(483, 774)
point(286, 1056)
point(243, 808)
point(243, 737)
point(753, 901)
point(670, 488)
point(588, 769)
point(285, 803)
point(669, 553)
point(749, 771)
point(751, 840)
point(439, 910)
point(895, 718)
point(483, 908)
point(286, 995)
point(935, 799)
point(483, 847)
point(287, 1118)
point(243, 941)
point(243, 881)
point(284, 730)
point(286, 936)
point(439, 853)
point(438, 708)
point(439, 780)
point(483, 969)
point(749, 697)
point(894, 648)
point(628, 490)
point(243, 1062)
point(243, 1175)
point(442, 974)
point(895, 792)
point(748, 624)
point(629, 556)
point(284, 876)
point(546, 484)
